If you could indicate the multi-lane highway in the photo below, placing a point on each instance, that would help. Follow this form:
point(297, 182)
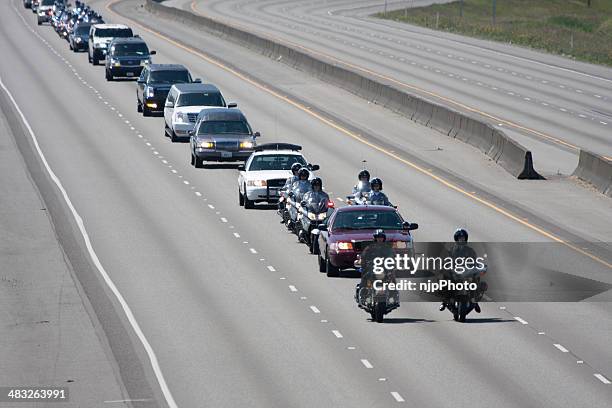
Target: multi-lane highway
point(233, 307)
point(541, 100)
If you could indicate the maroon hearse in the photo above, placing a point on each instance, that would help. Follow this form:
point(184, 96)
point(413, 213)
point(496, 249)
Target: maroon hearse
point(349, 230)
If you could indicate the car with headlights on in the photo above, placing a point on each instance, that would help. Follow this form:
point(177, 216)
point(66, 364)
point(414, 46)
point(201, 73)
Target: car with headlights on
point(263, 175)
point(154, 83)
point(185, 102)
point(79, 36)
point(221, 134)
point(100, 36)
point(349, 230)
point(44, 11)
point(127, 57)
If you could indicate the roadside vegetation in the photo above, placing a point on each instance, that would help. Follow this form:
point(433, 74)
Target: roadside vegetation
point(571, 28)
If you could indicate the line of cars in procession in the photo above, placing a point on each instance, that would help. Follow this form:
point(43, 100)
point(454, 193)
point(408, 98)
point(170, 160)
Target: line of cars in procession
point(276, 174)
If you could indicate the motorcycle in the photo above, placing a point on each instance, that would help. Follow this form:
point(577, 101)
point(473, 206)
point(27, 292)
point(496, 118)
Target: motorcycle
point(462, 302)
point(313, 214)
point(376, 302)
point(294, 201)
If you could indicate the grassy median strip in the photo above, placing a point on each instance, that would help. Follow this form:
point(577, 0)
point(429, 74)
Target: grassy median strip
point(565, 27)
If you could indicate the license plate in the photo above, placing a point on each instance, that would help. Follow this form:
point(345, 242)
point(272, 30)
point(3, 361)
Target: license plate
point(129, 74)
point(226, 155)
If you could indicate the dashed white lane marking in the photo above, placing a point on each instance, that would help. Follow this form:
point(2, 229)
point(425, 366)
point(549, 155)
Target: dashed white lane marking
point(237, 235)
point(314, 309)
point(198, 193)
point(292, 288)
point(602, 378)
point(541, 333)
point(561, 348)
point(323, 321)
point(253, 251)
point(223, 219)
point(271, 268)
point(366, 363)
point(580, 362)
point(502, 308)
point(351, 348)
point(337, 334)
point(521, 321)
point(397, 396)
point(174, 171)
point(185, 182)
point(212, 207)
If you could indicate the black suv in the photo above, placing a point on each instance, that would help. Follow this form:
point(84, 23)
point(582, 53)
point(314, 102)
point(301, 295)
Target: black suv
point(126, 58)
point(154, 84)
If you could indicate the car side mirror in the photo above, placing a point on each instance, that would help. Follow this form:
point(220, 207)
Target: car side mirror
point(409, 226)
point(322, 227)
point(169, 104)
point(241, 167)
point(232, 105)
point(140, 81)
point(303, 203)
point(314, 167)
point(152, 52)
point(191, 133)
point(197, 81)
point(256, 134)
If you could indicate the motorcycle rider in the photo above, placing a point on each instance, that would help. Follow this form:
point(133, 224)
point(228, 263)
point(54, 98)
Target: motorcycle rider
point(298, 189)
point(461, 249)
point(379, 248)
point(316, 197)
point(377, 196)
point(295, 167)
point(362, 188)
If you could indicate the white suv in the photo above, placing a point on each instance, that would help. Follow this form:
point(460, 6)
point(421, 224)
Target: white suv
point(185, 102)
point(265, 172)
point(100, 35)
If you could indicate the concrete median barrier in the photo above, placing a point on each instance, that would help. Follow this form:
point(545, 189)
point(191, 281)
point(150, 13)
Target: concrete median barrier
point(493, 142)
point(595, 170)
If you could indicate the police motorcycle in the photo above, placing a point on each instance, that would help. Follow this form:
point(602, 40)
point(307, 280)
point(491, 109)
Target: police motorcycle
point(461, 302)
point(376, 196)
point(284, 193)
point(361, 190)
point(314, 210)
point(294, 199)
point(372, 294)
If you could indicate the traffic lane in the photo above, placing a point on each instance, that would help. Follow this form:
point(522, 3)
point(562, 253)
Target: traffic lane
point(397, 134)
point(277, 120)
point(150, 258)
point(583, 121)
point(273, 221)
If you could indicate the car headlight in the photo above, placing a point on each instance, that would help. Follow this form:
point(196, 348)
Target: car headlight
point(247, 144)
point(114, 62)
point(78, 39)
point(257, 183)
point(345, 245)
point(181, 118)
point(312, 216)
point(206, 145)
point(321, 216)
point(150, 92)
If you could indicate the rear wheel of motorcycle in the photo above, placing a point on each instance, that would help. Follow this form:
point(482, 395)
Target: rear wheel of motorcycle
point(332, 271)
point(314, 244)
point(456, 311)
point(321, 264)
point(462, 312)
point(379, 312)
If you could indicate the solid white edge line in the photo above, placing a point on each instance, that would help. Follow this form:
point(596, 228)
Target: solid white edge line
point(397, 396)
point(94, 257)
point(602, 378)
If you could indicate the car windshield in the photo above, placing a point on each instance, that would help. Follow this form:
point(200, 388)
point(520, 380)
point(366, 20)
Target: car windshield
point(82, 30)
point(275, 162)
point(114, 32)
point(368, 220)
point(201, 99)
point(169, 77)
point(218, 127)
point(137, 49)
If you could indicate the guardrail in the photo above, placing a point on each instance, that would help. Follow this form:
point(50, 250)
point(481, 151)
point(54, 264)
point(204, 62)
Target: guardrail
point(493, 142)
point(595, 170)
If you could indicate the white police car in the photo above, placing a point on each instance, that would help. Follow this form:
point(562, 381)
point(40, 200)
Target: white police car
point(264, 173)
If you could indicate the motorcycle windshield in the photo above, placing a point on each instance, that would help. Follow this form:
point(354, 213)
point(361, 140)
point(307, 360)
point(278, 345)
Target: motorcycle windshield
point(363, 187)
point(300, 189)
point(318, 205)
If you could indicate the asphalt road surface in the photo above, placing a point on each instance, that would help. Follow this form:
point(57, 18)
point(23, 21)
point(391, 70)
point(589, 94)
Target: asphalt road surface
point(232, 305)
point(541, 100)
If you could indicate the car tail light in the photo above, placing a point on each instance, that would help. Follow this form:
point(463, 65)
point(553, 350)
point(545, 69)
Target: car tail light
point(330, 204)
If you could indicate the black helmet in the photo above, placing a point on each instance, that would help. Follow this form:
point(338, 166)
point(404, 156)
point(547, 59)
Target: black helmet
point(362, 174)
point(316, 181)
point(460, 232)
point(380, 234)
point(295, 167)
point(303, 172)
point(376, 180)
